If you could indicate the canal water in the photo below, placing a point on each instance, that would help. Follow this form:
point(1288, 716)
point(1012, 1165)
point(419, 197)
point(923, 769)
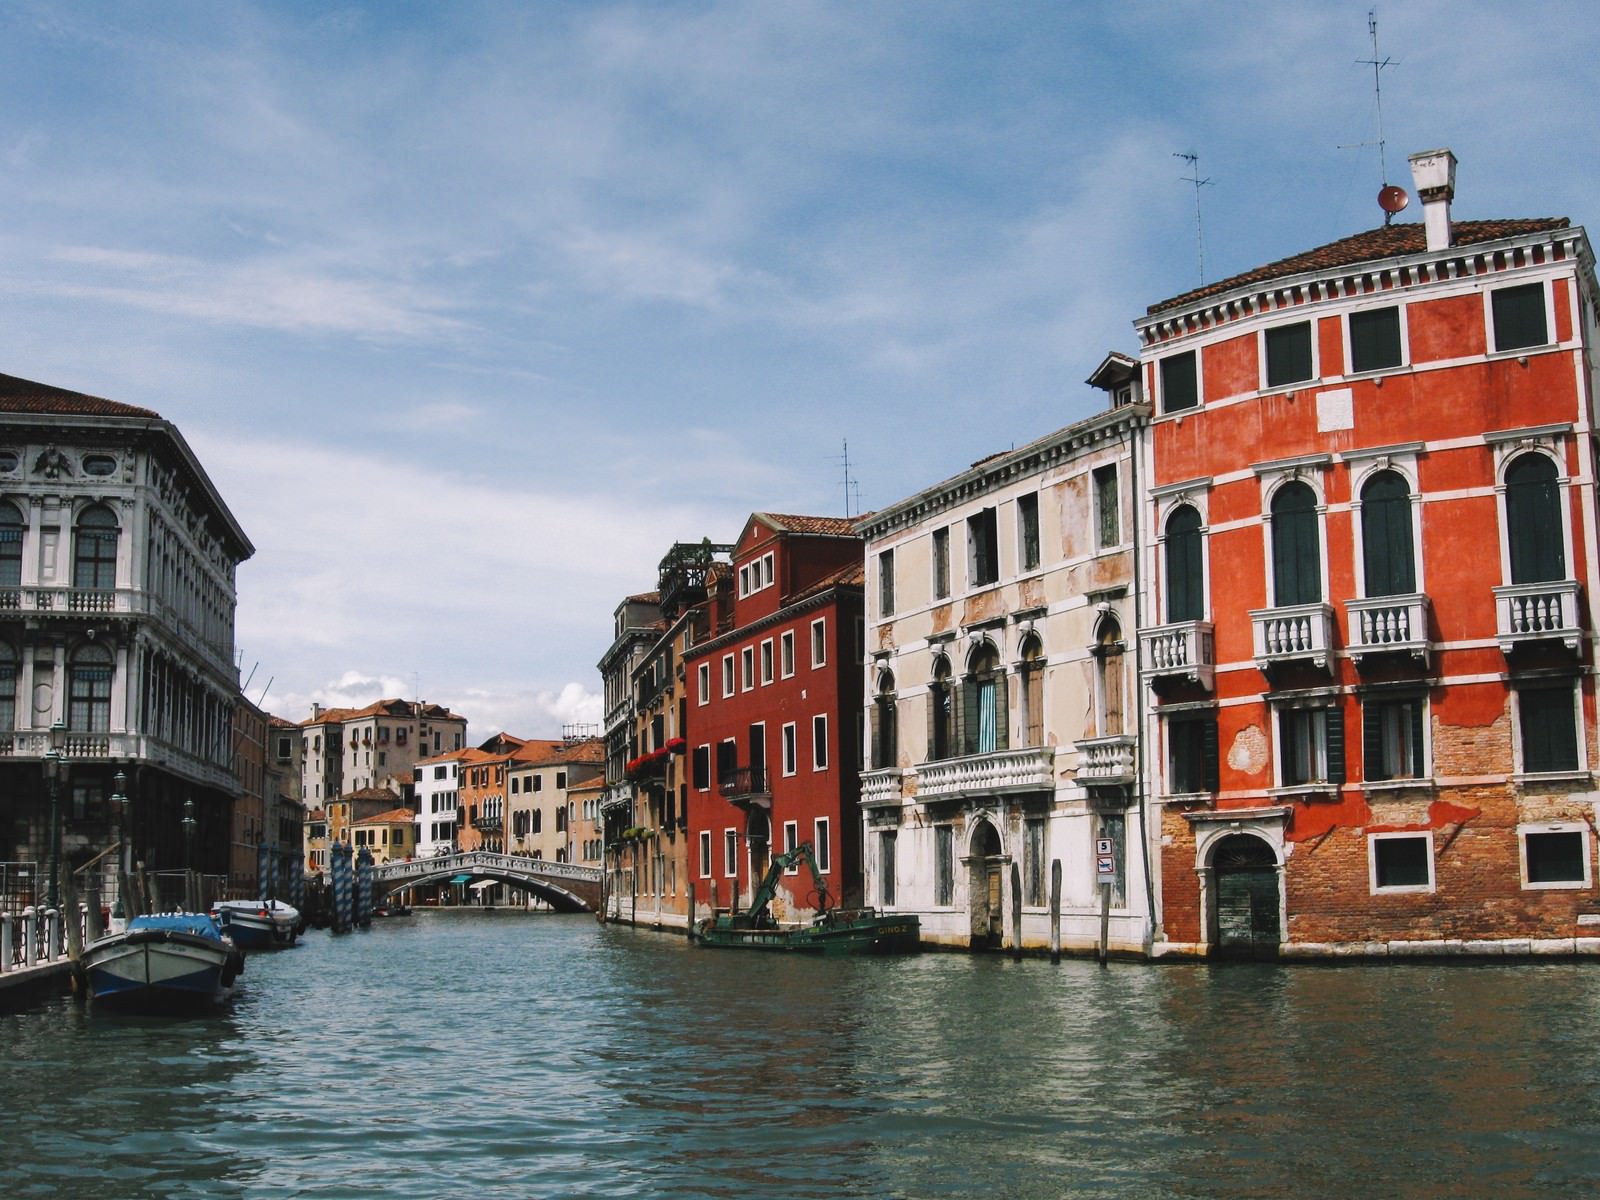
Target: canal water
point(500, 1054)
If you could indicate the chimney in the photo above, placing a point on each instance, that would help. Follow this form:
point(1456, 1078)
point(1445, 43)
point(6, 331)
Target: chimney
point(1434, 174)
point(316, 710)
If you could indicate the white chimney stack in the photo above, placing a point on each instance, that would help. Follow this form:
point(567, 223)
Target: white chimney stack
point(1434, 174)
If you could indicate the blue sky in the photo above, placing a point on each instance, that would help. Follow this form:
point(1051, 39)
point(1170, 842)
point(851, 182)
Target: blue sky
point(471, 310)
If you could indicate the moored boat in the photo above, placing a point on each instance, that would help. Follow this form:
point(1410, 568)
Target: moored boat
point(258, 924)
point(162, 962)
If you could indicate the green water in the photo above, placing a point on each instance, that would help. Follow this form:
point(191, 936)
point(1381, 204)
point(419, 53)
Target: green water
point(481, 1054)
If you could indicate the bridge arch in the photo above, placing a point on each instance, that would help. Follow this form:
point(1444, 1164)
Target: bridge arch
point(566, 887)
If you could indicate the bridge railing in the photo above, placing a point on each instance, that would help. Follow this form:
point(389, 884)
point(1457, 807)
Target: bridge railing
point(484, 861)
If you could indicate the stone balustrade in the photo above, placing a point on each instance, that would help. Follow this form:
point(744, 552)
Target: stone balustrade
point(1106, 760)
point(1292, 633)
point(1389, 624)
point(1028, 769)
point(1182, 649)
point(882, 788)
point(1534, 612)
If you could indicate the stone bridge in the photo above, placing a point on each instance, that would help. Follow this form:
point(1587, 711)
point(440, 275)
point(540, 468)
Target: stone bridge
point(564, 886)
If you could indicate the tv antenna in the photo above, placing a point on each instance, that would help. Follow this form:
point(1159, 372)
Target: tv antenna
point(1193, 159)
point(850, 485)
point(1391, 197)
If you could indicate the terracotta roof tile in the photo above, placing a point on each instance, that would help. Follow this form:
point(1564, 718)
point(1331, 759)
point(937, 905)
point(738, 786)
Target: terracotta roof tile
point(1387, 241)
point(852, 574)
point(791, 523)
point(392, 817)
point(26, 396)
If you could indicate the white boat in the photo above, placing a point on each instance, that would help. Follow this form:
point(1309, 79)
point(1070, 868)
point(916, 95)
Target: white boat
point(161, 962)
point(258, 924)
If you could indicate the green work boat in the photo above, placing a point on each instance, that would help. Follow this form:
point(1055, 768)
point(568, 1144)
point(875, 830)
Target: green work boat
point(835, 931)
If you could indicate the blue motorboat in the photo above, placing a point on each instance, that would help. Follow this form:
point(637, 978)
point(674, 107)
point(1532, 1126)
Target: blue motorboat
point(258, 924)
point(161, 963)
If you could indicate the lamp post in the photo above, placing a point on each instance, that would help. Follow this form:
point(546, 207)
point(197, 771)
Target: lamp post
point(55, 769)
point(191, 893)
point(119, 803)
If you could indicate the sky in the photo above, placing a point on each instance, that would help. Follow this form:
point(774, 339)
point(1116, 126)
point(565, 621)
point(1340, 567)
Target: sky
point(472, 310)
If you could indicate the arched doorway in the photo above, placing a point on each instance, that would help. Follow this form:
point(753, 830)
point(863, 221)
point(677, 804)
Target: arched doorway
point(1245, 908)
point(985, 871)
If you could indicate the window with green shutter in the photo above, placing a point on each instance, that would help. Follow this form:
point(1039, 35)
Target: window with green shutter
point(1192, 760)
point(1296, 551)
point(1185, 576)
point(1180, 382)
point(1392, 739)
point(1386, 544)
point(1519, 317)
point(1548, 727)
point(1533, 520)
point(1375, 340)
point(1288, 354)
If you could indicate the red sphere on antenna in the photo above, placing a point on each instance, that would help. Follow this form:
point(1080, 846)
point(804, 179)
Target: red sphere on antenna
point(1392, 199)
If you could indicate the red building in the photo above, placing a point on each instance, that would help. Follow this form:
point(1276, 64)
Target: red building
point(1371, 532)
point(773, 716)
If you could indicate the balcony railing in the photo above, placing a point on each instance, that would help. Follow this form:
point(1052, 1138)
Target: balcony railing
point(1526, 613)
point(1182, 650)
point(488, 824)
point(743, 782)
point(1293, 633)
point(882, 788)
point(1106, 761)
point(1031, 769)
point(1389, 625)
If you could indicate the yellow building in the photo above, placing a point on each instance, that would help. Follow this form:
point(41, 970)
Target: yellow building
point(390, 836)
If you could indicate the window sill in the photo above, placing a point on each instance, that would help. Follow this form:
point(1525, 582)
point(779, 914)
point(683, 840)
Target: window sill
point(1573, 885)
point(1189, 798)
point(1307, 791)
point(1412, 889)
point(1534, 779)
point(1421, 783)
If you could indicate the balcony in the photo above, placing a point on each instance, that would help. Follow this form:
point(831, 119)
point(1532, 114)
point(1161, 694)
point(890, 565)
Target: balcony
point(488, 824)
point(1180, 651)
point(1031, 769)
point(1297, 633)
point(1389, 625)
point(883, 788)
point(1526, 614)
point(1107, 761)
point(745, 785)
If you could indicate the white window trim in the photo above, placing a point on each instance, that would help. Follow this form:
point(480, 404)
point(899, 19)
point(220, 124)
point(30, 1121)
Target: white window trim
point(747, 668)
point(1405, 339)
point(1271, 482)
point(1507, 452)
point(1199, 384)
point(1403, 464)
point(786, 653)
point(821, 848)
point(730, 851)
point(1580, 828)
point(1551, 342)
point(767, 666)
point(1261, 356)
point(703, 675)
point(819, 627)
point(789, 749)
point(1372, 864)
point(819, 747)
point(705, 854)
point(729, 676)
point(791, 839)
point(1582, 769)
point(710, 764)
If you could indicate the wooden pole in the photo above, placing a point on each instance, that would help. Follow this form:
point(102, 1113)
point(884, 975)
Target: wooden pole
point(689, 928)
point(70, 914)
point(1016, 913)
point(1055, 911)
point(1105, 919)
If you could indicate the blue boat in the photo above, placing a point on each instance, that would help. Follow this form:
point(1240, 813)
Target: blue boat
point(161, 963)
point(258, 924)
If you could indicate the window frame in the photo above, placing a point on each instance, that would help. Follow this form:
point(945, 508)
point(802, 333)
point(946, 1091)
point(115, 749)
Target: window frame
point(939, 562)
point(1579, 829)
point(786, 654)
point(819, 745)
point(1572, 709)
point(1400, 889)
point(747, 668)
point(1097, 487)
point(1326, 744)
point(789, 749)
point(821, 847)
point(1163, 382)
point(1272, 332)
point(766, 662)
point(1029, 543)
point(729, 676)
point(819, 642)
point(703, 685)
point(886, 582)
point(791, 843)
point(1402, 332)
point(730, 852)
point(983, 531)
point(1492, 318)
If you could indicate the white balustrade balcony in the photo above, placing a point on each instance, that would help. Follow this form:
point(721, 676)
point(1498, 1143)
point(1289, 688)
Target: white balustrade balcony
point(882, 788)
point(1526, 613)
point(1106, 761)
point(1030, 769)
point(1293, 633)
point(1182, 650)
point(1389, 624)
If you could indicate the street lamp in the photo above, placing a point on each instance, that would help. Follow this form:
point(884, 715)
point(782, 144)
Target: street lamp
point(120, 805)
point(191, 893)
point(55, 770)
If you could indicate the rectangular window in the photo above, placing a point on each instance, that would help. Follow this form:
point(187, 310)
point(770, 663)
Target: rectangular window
point(730, 853)
point(1033, 864)
point(1549, 730)
point(1288, 354)
point(983, 561)
point(790, 756)
point(703, 683)
point(747, 668)
point(1028, 531)
point(819, 642)
point(1108, 518)
point(727, 762)
point(819, 742)
point(1180, 382)
point(791, 841)
point(1192, 763)
point(944, 860)
point(1401, 862)
point(886, 583)
point(1555, 856)
point(886, 867)
point(941, 563)
point(744, 581)
point(702, 767)
point(1392, 739)
point(1375, 340)
point(766, 662)
point(1310, 746)
point(786, 653)
point(727, 674)
point(1519, 317)
point(821, 848)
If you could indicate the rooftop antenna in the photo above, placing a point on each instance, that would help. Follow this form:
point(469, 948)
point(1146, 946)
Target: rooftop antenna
point(848, 482)
point(1391, 198)
point(1193, 159)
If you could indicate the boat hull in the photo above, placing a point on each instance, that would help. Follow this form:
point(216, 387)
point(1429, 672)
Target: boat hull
point(857, 933)
point(159, 969)
point(259, 926)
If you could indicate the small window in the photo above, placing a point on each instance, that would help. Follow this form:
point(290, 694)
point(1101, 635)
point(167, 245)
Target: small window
point(1108, 521)
point(941, 563)
point(702, 767)
point(1028, 531)
point(747, 668)
point(819, 742)
point(99, 464)
point(705, 854)
point(983, 562)
point(730, 853)
point(819, 642)
point(703, 684)
point(1519, 317)
point(821, 847)
point(1402, 862)
point(1375, 340)
point(1549, 729)
point(886, 583)
point(1554, 857)
point(791, 842)
point(1180, 382)
point(727, 674)
point(9, 461)
point(786, 653)
point(790, 755)
point(944, 875)
point(1288, 354)
point(1392, 739)
point(1311, 746)
point(766, 662)
point(1192, 763)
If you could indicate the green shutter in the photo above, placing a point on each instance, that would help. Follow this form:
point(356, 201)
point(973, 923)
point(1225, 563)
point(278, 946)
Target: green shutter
point(1418, 758)
point(1289, 354)
point(1372, 742)
point(1533, 520)
point(874, 715)
point(967, 715)
point(1180, 385)
point(1208, 751)
point(1386, 536)
point(1296, 553)
point(1375, 340)
point(1185, 590)
point(1519, 317)
point(1002, 713)
point(1335, 727)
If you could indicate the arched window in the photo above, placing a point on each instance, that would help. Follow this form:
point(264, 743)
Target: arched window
point(89, 690)
point(1296, 551)
point(883, 723)
point(11, 528)
point(1108, 677)
point(1386, 545)
point(8, 687)
point(1185, 579)
point(94, 549)
point(1533, 520)
point(1032, 671)
point(941, 712)
point(984, 709)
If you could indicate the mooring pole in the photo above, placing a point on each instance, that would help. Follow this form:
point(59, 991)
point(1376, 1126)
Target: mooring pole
point(1105, 919)
point(1055, 911)
point(1016, 913)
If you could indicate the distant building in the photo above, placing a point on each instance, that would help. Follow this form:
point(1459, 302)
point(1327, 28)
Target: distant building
point(436, 791)
point(542, 808)
point(587, 833)
point(117, 593)
point(389, 836)
point(348, 749)
point(636, 624)
point(250, 808)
